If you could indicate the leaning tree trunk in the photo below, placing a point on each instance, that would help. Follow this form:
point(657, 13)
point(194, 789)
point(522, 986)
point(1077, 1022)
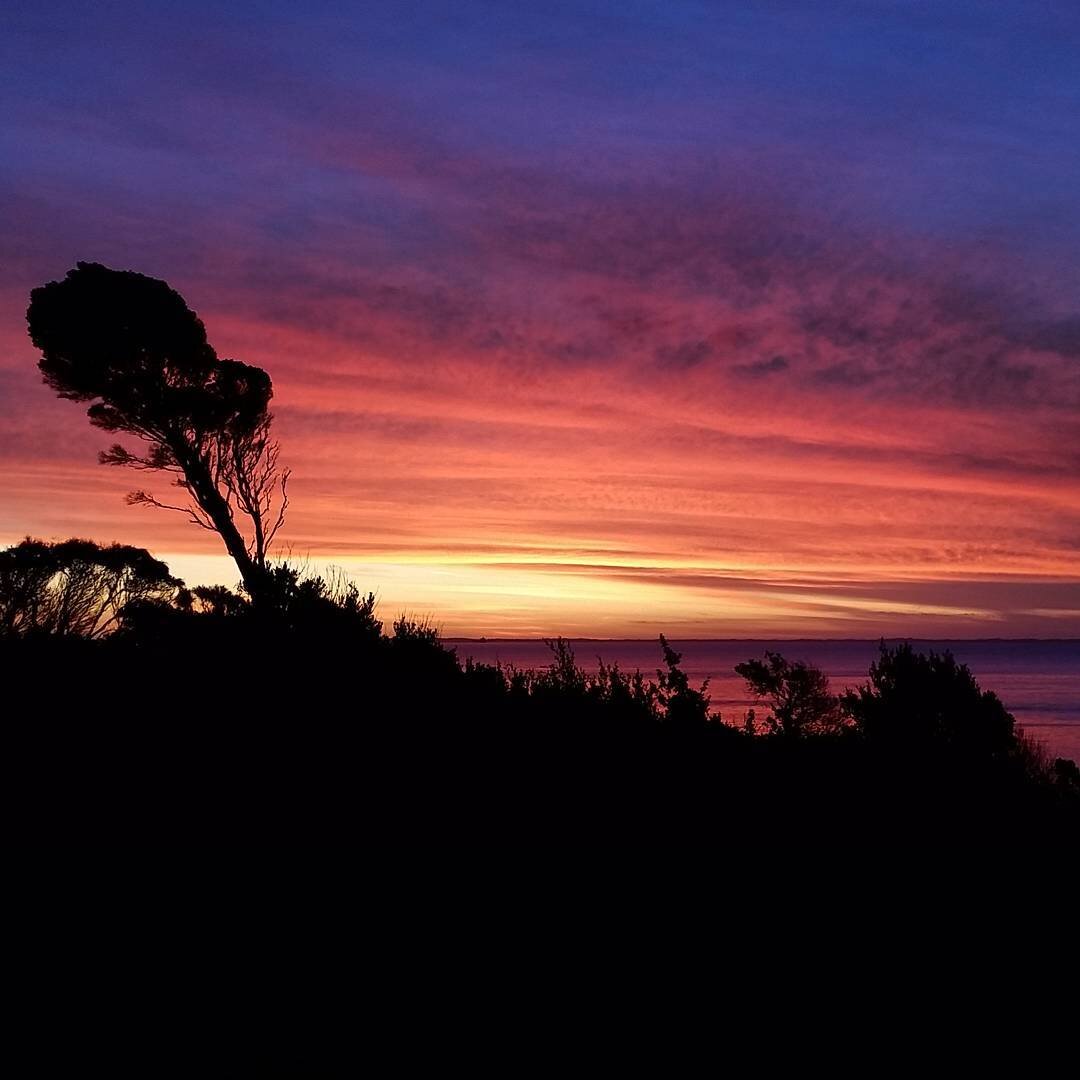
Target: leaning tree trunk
point(213, 503)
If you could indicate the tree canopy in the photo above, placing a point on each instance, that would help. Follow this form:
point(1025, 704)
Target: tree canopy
point(916, 698)
point(798, 692)
point(76, 587)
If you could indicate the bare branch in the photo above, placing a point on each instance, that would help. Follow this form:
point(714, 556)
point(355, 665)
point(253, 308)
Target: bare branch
point(195, 513)
point(282, 508)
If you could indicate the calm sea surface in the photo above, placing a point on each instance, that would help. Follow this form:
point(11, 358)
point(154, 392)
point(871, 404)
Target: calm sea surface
point(1039, 681)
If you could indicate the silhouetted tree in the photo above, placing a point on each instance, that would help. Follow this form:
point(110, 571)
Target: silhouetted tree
point(1067, 772)
point(627, 693)
point(563, 674)
point(571, 691)
point(917, 698)
point(130, 344)
point(798, 693)
point(76, 587)
point(683, 706)
point(320, 605)
point(217, 600)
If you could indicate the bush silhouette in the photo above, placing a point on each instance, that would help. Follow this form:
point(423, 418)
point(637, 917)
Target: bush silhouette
point(681, 705)
point(917, 699)
point(77, 588)
point(229, 721)
point(799, 694)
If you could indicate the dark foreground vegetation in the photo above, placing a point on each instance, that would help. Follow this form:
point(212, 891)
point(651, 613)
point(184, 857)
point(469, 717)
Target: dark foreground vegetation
point(138, 711)
point(204, 718)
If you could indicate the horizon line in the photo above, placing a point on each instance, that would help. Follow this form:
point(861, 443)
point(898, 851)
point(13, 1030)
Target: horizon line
point(485, 640)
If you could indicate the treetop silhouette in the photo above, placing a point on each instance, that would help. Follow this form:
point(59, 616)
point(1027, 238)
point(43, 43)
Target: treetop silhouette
point(130, 345)
point(76, 588)
point(802, 703)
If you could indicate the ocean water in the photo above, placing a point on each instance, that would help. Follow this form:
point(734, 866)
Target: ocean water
point(1039, 681)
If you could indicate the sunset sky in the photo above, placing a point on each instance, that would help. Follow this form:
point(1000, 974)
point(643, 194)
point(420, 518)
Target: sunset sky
point(719, 319)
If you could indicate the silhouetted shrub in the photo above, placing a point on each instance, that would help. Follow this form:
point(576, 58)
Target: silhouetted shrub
point(798, 693)
point(295, 601)
point(303, 722)
point(216, 600)
point(76, 587)
point(609, 691)
point(917, 699)
point(1067, 773)
point(416, 653)
point(680, 704)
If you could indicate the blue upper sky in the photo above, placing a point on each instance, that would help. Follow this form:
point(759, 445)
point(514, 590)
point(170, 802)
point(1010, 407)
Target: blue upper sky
point(960, 119)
